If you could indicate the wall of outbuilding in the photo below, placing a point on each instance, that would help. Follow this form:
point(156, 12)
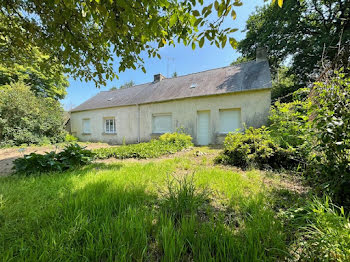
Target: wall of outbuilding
point(254, 106)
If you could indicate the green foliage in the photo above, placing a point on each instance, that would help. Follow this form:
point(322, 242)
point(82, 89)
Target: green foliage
point(289, 124)
point(331, 128)
point(28, 119)
point(68, 216)
point(178, 138)
point(240, 60)
point(182, 199)
point(256, 148)
point(283, 85)
point(49, 82)
point(72, 155)
point(322, 231)
point(75, 155)
point(127, 84)
point(70, 138)
point(101, 30)
point(167, 144)
point(302, 44)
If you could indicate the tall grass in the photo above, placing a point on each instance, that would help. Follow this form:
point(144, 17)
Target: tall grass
point(134, 212)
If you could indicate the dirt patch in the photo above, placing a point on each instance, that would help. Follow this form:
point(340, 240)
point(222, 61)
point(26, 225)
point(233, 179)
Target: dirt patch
point(8, 155)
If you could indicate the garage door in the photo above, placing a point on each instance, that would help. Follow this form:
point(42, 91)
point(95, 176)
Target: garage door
point(203, 128)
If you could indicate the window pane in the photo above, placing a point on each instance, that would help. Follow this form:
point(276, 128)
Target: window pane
point(110, 126)
point(162, 124)
point(113, 125)
point(106, 126)
point(230, 120)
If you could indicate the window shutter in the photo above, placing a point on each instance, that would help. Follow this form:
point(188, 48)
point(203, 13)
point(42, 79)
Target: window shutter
point(230, 120)
point(86, 126)
point(162, 124)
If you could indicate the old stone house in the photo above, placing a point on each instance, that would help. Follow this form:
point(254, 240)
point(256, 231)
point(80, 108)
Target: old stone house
point(207, 105)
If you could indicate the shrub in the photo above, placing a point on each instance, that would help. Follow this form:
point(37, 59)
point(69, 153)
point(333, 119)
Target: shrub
point(289, 124)
point(75, 155)
point(167, 144)
point(70, 138)
point(256, 148)
point(180, 139)
point(330, 168)
point(27, 119)
point(72, 155)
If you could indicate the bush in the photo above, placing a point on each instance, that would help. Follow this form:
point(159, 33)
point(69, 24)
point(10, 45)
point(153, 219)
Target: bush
point(179, 139)
point(167, 144)
point(255, 148)
point(330, 169)
point(72, 155)
point(289, 124)
point(27, 119)
point(70, 138)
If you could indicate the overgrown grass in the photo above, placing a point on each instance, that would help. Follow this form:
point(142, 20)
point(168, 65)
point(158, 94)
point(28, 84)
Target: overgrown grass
point(169, 210)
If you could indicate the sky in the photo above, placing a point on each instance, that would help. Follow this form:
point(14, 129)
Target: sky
point(180, 59)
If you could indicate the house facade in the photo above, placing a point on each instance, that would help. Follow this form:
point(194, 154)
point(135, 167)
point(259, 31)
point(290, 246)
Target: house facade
point(206, 105)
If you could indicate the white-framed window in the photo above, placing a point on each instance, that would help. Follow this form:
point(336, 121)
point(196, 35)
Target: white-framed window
point(86, 126)
point(161, 123)
point(230, 120)
point(110, 125)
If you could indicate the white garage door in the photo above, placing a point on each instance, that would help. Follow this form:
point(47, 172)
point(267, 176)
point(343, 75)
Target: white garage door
point(203, 128)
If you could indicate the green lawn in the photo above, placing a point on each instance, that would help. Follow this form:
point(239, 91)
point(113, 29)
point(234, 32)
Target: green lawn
point(177, 209)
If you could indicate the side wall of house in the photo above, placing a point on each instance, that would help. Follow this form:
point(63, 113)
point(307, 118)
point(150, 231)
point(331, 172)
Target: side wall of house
point(126, 125)
point(254, 106)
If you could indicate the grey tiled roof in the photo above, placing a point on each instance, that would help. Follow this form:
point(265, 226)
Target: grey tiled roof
point(242, 77)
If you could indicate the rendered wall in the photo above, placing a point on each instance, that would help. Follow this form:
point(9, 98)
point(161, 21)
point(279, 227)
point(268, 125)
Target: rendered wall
point(254, 107)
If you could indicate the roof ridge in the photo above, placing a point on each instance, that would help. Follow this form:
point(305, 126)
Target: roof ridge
point(246, 62)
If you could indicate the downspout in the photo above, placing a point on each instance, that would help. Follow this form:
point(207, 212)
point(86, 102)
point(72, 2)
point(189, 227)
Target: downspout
point(138, 123)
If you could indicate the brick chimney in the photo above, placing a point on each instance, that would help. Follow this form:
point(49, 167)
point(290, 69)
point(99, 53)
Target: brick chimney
point(261, 54)
point(158, 77)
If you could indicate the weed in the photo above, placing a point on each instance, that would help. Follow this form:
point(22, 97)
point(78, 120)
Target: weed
point(182, 198)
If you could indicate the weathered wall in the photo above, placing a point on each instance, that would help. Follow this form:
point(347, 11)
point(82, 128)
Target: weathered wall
point(254, 107)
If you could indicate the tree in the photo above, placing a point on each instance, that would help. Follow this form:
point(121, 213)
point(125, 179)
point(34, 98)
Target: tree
point(127, 84)
point(241, 59)
point(85, 36)
point(174, 74)
point(26, 118)
point(303, 34)
point(48, 83)
point(283, 85)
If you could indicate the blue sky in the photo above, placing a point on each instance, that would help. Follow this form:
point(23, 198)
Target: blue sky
point(181, 59)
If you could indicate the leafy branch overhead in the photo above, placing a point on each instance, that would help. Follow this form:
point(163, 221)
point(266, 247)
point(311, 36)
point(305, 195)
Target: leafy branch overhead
point(88, 36)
